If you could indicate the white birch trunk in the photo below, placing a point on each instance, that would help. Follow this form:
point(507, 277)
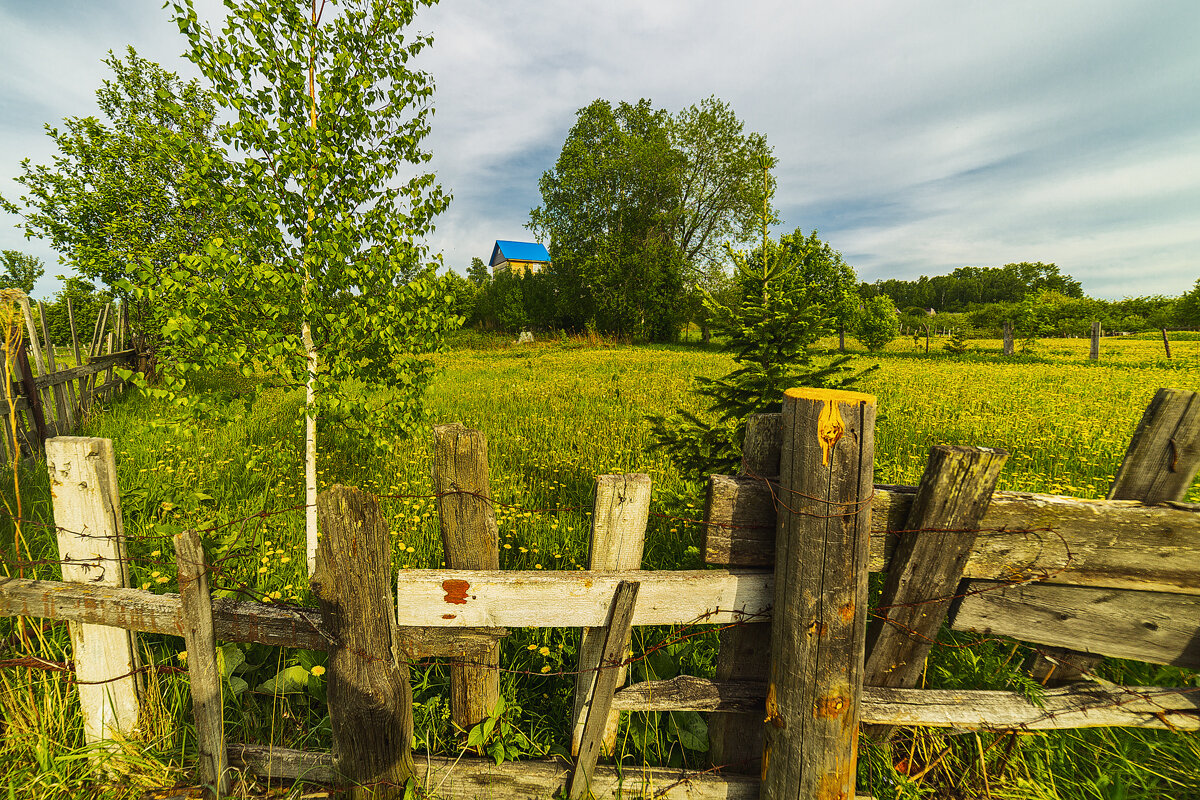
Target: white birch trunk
point(310, 449)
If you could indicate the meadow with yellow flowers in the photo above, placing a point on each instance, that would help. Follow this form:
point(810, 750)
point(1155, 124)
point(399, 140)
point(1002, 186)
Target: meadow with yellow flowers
point(556, 414)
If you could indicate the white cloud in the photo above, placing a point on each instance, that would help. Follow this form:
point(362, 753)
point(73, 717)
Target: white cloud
point(916, 136)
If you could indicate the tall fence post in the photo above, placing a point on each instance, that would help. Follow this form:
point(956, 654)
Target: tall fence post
point(928, 564)
point(370, 699)
point(204, 674)
point(818, 624)
point(1159, 466)
point(736, 740)
point(1008, 339)
point(91, 547)
point(1166, 342)
point(472, 541)
point(617, 541)
point(1094, 353)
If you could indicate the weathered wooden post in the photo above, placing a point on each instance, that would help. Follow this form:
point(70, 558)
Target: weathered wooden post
point(1160, 464)
point(370, 700)
point(818, 624)
point(617, 541)
point(204, 674)
point(1008, 339)
point(1166, 343)
point(736, 740)
point(928, 564)
point(33, 398)
point(471, 541)
point(91, 547)
point(1094, 353)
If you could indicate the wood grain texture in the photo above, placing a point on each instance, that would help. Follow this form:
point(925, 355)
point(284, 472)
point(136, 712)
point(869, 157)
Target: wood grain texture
point(1123, 544)
point(540, 599)
point(928, 564)
point(370, 700)
point(471, 540)
point(1159, 466)
point(598, 702)
point(204, 675)
point(618, 538)
point(736, 741)
point(818, 623)
point(1077, 706)
point(1145, 626)
point(91, 547)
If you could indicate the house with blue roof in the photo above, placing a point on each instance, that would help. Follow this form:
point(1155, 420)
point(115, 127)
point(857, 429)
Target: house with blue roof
point(518, 257)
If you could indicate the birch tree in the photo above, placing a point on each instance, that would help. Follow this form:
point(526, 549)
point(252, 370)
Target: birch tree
point(329, 286)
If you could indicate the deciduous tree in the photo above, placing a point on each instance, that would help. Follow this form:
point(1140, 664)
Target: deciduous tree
point(328, 286)
point(19, 271)
point(112, 202)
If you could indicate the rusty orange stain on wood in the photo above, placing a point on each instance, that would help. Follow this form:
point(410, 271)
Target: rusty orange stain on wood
point(833, 705)
point(449, 616)
point(766, 760)
point(773, 715)
point(832, 786)
point(830, 427)
point(846, 612)
point(456, 591)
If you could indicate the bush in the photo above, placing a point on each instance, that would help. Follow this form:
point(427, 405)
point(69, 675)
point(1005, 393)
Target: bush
point(878, 323)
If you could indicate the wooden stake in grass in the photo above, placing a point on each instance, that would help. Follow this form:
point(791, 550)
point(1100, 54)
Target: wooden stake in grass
point(203, 672)
point(370, 700)
point(818, 624)
point(472, 541)
point(91, 545)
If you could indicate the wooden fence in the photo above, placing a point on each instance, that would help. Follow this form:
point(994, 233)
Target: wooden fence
point(49, 399)
point(801, 667)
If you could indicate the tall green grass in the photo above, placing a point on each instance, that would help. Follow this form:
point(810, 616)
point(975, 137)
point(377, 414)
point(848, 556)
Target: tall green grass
point(556, 415)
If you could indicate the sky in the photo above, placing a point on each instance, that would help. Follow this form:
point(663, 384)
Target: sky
point(916, 137)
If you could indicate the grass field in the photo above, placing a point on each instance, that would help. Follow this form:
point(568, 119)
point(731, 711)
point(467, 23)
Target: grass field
point(556, 415)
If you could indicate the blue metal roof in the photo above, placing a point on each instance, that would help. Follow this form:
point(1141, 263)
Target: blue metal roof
point(519, 251)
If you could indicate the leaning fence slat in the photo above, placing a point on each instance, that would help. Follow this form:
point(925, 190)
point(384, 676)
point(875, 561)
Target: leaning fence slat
point(44, 396)
point(204, 674)
point(1159, 466)
point(928, 563)
point(736, 742)
point(370, 700)
point(91, 547)
point(818, 623)
point(472, 541)
point(618, 536)
point(64, 419)
point(598, 702)
point(37, 413)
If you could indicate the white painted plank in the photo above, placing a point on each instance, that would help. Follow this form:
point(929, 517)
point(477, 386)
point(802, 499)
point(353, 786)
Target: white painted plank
point(536, 599)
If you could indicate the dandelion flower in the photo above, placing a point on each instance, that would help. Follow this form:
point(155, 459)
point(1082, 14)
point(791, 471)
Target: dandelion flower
point(545, 668)
point(544, 651)
point(317, 670)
